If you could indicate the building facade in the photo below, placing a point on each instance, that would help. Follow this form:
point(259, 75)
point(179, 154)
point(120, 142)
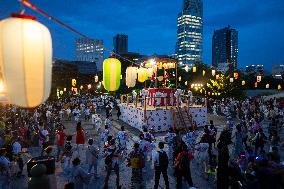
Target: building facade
point(255, 69)
point(278, 71)
point(89, 50)
point(225, 48)
point(120, 43)
point(189, 33)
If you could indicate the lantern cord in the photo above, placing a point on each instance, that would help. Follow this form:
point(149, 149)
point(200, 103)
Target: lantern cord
point(33, 7)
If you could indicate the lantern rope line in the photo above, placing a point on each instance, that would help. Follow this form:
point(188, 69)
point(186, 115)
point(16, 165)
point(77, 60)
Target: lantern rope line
point(28, 4)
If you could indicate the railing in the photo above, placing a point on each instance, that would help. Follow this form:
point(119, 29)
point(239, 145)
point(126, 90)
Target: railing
point(184, 100)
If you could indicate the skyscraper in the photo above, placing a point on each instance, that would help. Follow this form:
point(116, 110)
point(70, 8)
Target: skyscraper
point(189, 32)
point(225, 48)
point(90, 50)
point(120, 43)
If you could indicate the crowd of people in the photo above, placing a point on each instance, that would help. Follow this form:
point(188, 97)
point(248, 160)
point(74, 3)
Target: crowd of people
point(245, 154)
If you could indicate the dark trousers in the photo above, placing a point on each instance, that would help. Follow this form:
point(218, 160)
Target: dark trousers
point(116, 170)
point(158, 172)
point(261, 146)
point(183, 174)
point(136, 179)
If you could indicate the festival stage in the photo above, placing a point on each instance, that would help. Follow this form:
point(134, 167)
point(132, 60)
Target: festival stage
point(160, 119)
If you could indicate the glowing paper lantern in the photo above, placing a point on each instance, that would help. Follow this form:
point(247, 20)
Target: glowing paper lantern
point(81, 87)
point(194, 69)
point(213, 72)
point(150, 71)
point(231, 80)
point(243, 82)
point(61, 92)
point(74, 82)
point(142, 74)
point(64, 89)
point(179, 78)
point(185, 83)
point(26, 60)
point(89, 86)
point(217, 76)
point(279, 87)
point(160, 78)
point(255, 84)
point(267, 86)
point(186, 68)
point(236, 75)
point(203, 72)
point(96, 78)
point(131, 76)
point(111, 74)
point(258, 78)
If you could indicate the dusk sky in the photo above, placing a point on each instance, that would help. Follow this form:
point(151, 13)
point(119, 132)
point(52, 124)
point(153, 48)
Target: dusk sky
point(151, 25)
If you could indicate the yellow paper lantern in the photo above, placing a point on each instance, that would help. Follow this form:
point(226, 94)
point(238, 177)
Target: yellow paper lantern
point(185, 83)
point(89, 86)
point(64, 89)
point(74, 82)
point(25, 60)
point(194, 69)
point(179, 78)
point(142, 74)
point(267, 86)
point(279, 87)
point(213, 72)
point(203, 72)
point(243, 82)
point(81, 87)
point(131, 76)
point(258, 78)
point(255, 84)
point(61, 92)
point(111, 74)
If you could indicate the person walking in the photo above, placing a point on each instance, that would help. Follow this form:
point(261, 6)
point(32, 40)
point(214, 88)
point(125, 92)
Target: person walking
point(182, 167)
point(136, 162)
point(111, 161)
point(238, 141)
point(60, 137)
point(161, 163)
point(169, 140)
point(79, 176)
point(92, 154)
point(80, 137)
point(5, 172)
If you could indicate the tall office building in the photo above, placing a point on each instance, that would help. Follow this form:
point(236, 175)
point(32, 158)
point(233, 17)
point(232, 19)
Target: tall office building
point(90, 51)
point(189, 32)
point(120, 43)
point(225, 48)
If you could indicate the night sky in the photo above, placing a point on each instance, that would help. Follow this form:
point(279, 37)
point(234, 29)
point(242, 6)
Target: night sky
point(151, 25)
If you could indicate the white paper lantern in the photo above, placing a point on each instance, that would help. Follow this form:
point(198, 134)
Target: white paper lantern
point(26, 60)
point(96, 78)
point(131, 76)
point(258, 78)
point(231, 80)
point(213, 72)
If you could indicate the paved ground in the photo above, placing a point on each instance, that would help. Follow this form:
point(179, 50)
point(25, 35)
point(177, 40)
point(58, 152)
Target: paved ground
point(198, 179)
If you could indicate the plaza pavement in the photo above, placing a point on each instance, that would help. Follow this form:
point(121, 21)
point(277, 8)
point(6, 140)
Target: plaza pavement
point(199, 180)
